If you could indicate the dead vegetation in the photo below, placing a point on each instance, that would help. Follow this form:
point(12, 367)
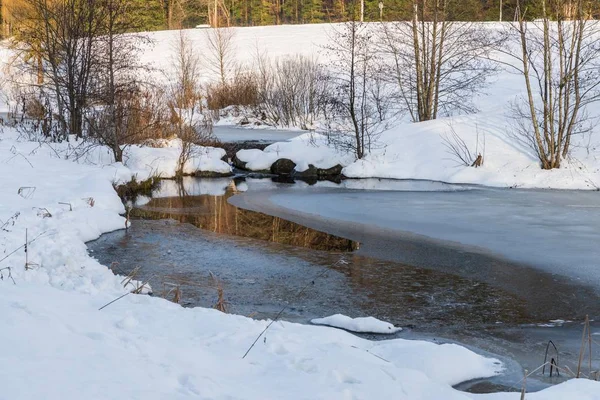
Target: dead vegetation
point(553, 364)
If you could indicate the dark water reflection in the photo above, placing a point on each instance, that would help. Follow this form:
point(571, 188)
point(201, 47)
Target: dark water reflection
point(214, 214)
point(264, 261)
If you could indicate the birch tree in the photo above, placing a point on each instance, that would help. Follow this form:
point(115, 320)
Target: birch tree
point(559, 59)
point(359, 107)
point(437, 65)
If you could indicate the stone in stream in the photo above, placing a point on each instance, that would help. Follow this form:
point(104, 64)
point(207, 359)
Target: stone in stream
point(283, 166)
point(336, 170)
point(310, 173)
point(238, 163)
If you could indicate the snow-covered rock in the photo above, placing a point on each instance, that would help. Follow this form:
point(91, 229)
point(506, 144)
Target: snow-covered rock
point(163, 161)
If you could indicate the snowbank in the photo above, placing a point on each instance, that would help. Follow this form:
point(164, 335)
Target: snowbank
point(163, 161)
point(309, 148)
point(360, 325)
point(418, 151)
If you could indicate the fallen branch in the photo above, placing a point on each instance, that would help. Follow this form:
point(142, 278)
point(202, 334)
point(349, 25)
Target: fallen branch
point(9, 274)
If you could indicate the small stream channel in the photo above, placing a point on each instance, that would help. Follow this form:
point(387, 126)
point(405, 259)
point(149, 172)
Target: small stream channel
point(188, 237)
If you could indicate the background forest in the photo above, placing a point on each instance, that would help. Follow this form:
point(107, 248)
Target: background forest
point(151, 15)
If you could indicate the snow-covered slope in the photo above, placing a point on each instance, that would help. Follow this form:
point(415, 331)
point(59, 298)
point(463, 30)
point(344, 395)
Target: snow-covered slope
point(407, 150)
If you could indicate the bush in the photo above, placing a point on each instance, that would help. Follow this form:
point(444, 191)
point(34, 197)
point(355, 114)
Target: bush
point(242, 90)
point(293, 91)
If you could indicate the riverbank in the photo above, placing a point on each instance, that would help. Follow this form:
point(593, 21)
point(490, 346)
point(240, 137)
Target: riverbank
point(60, 342)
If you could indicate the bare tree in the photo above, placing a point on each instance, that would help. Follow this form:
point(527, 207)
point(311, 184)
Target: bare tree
point(358, 103)
point(192, 125)
point(62, 36)
point(221, 60)
point(437, 65)
point(116, 84)
point(559, 59)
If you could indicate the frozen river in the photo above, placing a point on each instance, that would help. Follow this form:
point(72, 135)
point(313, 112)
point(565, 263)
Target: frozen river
point(554, 231)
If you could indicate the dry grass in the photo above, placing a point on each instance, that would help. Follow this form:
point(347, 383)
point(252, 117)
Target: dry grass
point(130, 190)
point(221, 304)
point(586, 337)
point(242, 90)
point(172, 292)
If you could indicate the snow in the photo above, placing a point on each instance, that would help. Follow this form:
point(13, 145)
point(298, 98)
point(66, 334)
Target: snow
point(148, 348)
point(360, 325)
point(580, 389)
point(57, 344)
point(305, 149)
point(142, 347)
point(147, 161)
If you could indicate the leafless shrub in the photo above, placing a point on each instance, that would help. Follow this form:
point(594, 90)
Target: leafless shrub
point(293, 90)
point(59, 37)
point(358, 103)
point(461, 152)
point(193, 126)
point(138, 114)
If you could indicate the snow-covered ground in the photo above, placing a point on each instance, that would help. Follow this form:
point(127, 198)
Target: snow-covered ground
point(58, 344)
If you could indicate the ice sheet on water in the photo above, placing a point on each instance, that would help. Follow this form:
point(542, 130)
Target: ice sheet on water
point(556, 231)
